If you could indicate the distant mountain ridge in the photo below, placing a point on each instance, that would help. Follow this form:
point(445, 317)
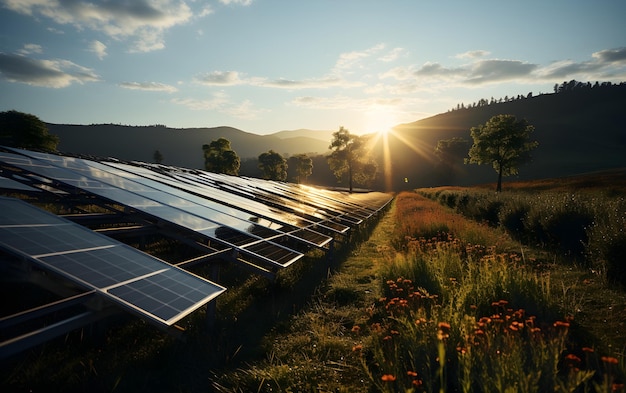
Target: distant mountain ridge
point(579, 131)
point(180, 147)
point(323, 135)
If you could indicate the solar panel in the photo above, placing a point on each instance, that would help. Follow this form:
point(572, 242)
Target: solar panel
point(76, 173)
point(10, 184)
point(142, 283)
point(227, 203)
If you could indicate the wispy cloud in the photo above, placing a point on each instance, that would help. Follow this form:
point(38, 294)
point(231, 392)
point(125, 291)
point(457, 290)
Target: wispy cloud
point(233, 78)
point(617, 55)
point(44, 73)
point(350, 60)
point(237, 2)
point(602, 65)
point(220, 102)
point(149, 86)
point(143, 20)
point(98, 48)
point(473, 54)
point(220, 78)
point(30, 48)
point(608, 63)
point(392, 55)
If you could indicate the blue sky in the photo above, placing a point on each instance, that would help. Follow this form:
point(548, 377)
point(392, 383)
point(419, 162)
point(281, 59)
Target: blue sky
point(269, 65)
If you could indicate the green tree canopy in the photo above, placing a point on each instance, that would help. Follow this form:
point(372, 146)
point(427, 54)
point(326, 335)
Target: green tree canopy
point(450, 151)
point(503, 142)
point(219, 157)
point(24, 130)
point(273, 166)
point(348, 157)
point(303, 166)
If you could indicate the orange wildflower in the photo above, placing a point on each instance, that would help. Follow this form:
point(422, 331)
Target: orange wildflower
point(357, 348)
point(561, 324)
point(388, 378)
point(411, 373)
point(609, 360)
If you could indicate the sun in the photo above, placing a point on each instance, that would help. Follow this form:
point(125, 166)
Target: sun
point(380, 121)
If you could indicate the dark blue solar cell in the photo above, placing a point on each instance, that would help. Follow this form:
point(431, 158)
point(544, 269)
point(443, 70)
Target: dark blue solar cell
point(136, 280)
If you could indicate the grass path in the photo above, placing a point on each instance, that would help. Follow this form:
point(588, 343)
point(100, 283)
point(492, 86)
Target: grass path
point(312, 350)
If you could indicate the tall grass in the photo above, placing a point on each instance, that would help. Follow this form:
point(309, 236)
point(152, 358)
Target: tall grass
point(583, 227)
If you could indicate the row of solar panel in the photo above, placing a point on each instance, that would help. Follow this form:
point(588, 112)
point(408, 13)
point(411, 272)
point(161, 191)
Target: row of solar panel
point(257, 219)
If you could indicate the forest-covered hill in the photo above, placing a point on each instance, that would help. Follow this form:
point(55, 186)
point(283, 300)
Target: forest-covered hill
point(580, 128)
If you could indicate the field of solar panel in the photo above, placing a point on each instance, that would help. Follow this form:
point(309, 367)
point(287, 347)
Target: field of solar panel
point(113, 256)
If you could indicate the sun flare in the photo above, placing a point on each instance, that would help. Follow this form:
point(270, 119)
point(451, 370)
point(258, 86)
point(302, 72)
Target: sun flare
point(379, 121)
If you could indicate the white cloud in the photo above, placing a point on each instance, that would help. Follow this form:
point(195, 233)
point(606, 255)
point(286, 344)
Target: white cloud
point(473, 54)
point(220, 78)
point(144, 20)
point(149, 86)
point(44, 73)
point(237, 2)
point(98, 48)
point(30, 48)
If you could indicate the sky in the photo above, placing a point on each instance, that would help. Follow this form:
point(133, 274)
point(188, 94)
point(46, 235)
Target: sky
point(265, 66)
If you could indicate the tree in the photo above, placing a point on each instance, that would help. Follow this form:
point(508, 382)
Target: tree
point(24, 130)
point(348, 157)
point(157, 156)
point(451, 154)
point(450, 150)
point(303, 166)
point(273, 166)
point(503, 142)
point(220, 158)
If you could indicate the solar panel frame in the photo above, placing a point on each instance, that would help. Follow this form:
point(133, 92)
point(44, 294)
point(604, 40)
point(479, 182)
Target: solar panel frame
point(99, 263)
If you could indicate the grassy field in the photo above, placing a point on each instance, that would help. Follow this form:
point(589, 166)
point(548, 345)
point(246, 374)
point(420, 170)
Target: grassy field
point(430, 299)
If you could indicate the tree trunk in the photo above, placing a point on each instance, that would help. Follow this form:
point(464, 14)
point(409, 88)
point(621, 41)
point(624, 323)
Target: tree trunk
point(350, 177)
point(499, 186)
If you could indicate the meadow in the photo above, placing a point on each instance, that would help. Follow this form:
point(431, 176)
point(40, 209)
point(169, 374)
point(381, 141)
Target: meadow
point(453, 290)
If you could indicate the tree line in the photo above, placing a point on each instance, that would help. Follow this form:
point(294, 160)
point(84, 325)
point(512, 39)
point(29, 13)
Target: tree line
point(565, 87)
point(348, 161)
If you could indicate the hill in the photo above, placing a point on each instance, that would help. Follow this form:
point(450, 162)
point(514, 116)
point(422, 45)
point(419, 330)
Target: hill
point(322, 135)
point(180, 147)
point(578, 131)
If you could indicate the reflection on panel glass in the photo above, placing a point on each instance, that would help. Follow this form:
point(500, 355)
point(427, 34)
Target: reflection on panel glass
point(97, 262)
